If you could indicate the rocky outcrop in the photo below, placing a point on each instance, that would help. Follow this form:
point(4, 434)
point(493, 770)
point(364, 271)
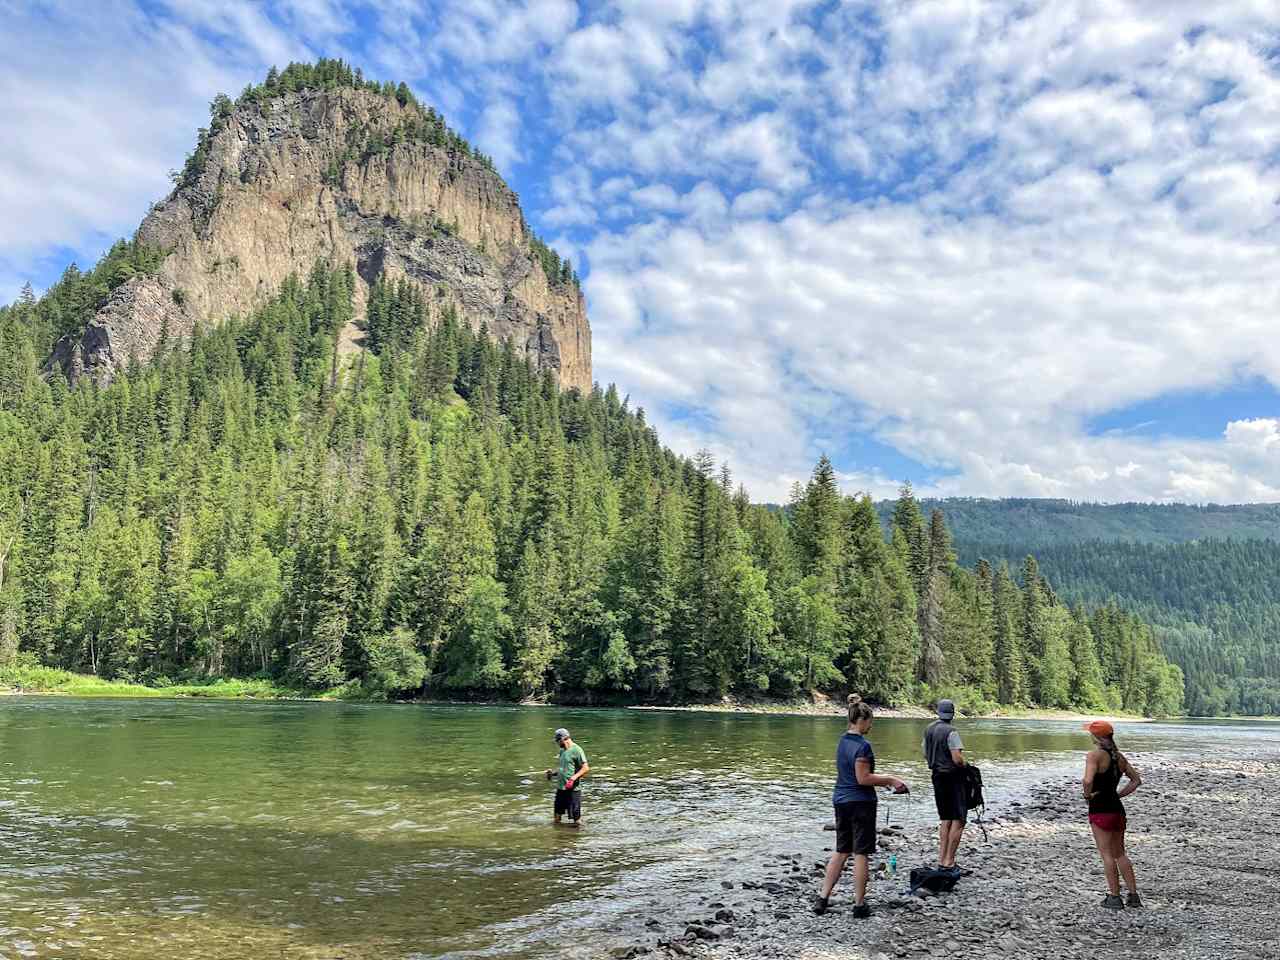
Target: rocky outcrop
point(129, 326)
point(292, 180)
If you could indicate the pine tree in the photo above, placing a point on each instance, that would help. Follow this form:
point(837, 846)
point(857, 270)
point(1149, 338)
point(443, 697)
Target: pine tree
point(1032, 630)
point(1086, 673)
point(1010, 669)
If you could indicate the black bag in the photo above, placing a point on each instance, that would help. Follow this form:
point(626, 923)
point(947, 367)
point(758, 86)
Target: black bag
point(973, 798)
point(934, 879)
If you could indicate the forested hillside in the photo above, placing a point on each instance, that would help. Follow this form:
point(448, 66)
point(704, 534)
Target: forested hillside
point(1207, 576)
point(1216, 604)
point(434, 515)
point(977, 522)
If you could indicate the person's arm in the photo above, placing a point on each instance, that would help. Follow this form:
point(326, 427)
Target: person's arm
point(1135, 779)
point(862, 770)
point(578, 774)
point(1090, 771)
point(956, 748)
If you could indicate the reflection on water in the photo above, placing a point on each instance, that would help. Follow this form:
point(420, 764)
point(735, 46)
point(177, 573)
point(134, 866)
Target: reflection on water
point(135, 828)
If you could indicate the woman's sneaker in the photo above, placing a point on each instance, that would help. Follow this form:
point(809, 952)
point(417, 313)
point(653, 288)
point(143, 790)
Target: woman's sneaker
point(820, 905)
point(1134, 900)
point(1113, 901)
point(861, 911)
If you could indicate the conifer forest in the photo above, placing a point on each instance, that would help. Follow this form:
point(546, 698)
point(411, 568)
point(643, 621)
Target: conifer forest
point(432, 516)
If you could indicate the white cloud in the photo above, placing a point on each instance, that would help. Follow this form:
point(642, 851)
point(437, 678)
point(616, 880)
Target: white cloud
point(1093, 126)
point(1259, 437)
point(499, 133)
point(95, 118)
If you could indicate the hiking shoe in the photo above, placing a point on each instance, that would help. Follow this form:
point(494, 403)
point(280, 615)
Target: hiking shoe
point(1113, 902)
point(1134, 901)
point(820, 905)
point(861, 912)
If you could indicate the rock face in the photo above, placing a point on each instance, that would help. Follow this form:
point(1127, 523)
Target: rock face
point(129, 325)
point(285, 183)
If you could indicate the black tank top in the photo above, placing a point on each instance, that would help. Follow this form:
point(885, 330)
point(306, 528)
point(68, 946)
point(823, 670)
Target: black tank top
point(1105, 799)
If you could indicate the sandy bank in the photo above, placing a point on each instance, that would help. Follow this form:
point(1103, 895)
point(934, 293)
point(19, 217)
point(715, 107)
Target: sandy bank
point(1202, 838)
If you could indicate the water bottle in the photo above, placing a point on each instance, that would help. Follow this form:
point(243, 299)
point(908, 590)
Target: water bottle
point(893, 865)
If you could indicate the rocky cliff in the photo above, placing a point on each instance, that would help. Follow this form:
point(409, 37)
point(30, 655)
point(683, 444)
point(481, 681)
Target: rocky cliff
point(344, 175)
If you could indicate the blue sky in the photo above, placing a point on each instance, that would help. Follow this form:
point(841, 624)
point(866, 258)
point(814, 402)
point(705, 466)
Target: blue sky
point(995, 248)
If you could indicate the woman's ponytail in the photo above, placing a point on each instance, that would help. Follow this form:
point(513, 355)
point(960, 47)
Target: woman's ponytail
point(1109, 745)
point(858, 709)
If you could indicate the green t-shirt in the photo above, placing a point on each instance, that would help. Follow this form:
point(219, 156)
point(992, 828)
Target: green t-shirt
point(571, 761)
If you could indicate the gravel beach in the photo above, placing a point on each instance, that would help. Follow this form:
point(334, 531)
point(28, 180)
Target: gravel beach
point(1204, 838)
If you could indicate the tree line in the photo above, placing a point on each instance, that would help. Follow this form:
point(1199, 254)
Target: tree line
point(1215, 604)
point(981, 524)
point(434, 514)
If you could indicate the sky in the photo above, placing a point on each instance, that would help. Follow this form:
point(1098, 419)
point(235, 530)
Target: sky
point(990, 247)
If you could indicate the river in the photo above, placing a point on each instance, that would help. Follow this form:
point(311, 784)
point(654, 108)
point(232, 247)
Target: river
point(143, 828)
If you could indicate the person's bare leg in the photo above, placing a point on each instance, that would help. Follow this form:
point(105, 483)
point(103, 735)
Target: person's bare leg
point(957, 831)
point(1122, 861)
point(948, 840)
point(860, 870)
point(1102, 840)
point(835, 866)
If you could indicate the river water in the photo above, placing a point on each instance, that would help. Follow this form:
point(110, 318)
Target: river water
point(144, 828)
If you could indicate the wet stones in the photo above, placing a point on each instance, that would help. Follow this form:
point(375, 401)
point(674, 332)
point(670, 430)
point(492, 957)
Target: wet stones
point(1036, 886)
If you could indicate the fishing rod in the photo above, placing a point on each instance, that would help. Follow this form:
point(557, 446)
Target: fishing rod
point(888, 806)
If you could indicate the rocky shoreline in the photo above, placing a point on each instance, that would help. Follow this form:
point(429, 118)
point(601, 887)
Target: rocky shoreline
point(827, 707)
point(1203, 838)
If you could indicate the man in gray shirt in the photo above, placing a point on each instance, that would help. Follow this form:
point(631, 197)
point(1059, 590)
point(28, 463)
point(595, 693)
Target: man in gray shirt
point(944, 753)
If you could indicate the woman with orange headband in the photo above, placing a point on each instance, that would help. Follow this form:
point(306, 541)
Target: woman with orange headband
point(1103, 768)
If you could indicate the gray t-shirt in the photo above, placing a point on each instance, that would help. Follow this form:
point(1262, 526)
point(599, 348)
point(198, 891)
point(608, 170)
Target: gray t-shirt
point(939, 760)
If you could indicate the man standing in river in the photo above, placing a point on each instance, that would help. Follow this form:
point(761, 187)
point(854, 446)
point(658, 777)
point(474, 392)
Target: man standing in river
point(944, 753)
point(571, 767)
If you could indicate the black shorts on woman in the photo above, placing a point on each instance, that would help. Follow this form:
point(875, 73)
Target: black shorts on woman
point(856, 827)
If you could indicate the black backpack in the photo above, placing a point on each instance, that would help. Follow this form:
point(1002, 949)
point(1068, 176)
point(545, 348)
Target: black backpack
point(934, 879)
point(973, 798)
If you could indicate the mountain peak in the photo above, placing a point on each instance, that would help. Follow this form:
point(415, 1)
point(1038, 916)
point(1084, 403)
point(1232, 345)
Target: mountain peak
point(318, 164)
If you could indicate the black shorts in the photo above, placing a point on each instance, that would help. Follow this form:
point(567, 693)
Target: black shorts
point(569, 802)
point(856, 827)
point(949, 794)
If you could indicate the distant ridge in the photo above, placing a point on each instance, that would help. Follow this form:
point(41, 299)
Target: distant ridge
point(1043, 522)
point(1207, 576)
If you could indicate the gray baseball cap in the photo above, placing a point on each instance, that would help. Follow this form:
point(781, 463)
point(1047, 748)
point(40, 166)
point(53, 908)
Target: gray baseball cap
point(561, 734)
point(946, 709)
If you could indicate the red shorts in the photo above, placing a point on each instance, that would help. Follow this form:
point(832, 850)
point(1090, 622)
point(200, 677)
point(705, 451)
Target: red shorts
point(1110, 822)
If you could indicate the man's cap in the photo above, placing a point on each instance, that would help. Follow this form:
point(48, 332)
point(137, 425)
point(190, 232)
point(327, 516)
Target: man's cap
point(946, 709)
point(1100, 728)
point(562, 734)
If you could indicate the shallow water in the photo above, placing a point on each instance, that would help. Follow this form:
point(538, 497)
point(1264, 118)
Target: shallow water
point(133, 829)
